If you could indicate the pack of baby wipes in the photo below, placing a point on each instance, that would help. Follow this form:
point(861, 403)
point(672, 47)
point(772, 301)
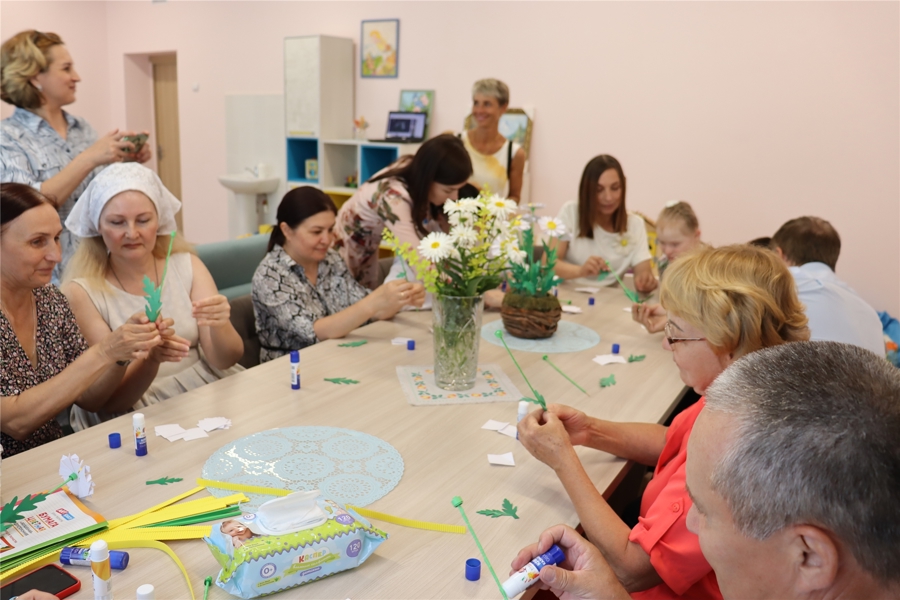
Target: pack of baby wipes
point(290, 541)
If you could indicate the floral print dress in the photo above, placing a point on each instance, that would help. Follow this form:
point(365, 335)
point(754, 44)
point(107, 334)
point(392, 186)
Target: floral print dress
point(58, 343)
point(287, 305)
point(360, 221)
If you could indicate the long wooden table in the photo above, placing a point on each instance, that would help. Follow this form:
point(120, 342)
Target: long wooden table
point(443, 447)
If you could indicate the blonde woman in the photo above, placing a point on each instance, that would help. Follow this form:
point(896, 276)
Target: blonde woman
point(125, 218)
point(43, 145)
point(721, 304)
point(677, 233)
point(498, 163)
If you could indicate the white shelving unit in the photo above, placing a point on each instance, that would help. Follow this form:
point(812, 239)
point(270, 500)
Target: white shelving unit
point(318, 104)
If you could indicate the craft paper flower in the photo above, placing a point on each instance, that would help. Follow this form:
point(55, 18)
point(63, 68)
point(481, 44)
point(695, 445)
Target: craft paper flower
point(501, 207)
point(515, 255)
point(436, 246)
point(552, 227)
point(83, 485)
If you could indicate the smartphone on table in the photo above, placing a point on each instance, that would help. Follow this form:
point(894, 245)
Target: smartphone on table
point(51, 579)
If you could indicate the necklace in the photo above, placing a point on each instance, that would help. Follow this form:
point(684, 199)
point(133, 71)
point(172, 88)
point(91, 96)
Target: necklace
point(32, 358)
point(119, 281)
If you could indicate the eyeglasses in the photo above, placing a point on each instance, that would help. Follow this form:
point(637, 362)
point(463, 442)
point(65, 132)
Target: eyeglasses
point(674, 340)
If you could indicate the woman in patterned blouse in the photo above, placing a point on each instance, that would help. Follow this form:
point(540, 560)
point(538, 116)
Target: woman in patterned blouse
point(406, 198)
point(47, 366)
point(302, 290)
point(41, 144)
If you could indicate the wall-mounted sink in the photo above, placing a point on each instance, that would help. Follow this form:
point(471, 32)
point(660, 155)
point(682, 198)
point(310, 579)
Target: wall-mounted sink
point(247, 183)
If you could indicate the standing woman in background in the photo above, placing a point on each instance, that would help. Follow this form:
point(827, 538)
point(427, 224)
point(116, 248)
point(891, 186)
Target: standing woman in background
point(497, 162)
point(605, 236)
point(42, 145)
point(407, 198)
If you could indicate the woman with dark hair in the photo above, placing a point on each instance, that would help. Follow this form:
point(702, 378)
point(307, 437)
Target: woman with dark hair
point(43, 145)
point(47, 365)
point(603, 235)
point(303, 292)
point(406, 198)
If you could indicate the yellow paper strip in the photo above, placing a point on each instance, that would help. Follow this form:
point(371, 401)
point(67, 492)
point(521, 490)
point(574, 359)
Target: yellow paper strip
point(124, 544)
point(123, 520)
point(247, 489)
point(188, 509)
point(371, 514)
point(151, 533)
point(34, 563)
point(252, 489)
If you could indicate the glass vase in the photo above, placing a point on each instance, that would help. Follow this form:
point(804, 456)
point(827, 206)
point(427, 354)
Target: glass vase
point(457, 333)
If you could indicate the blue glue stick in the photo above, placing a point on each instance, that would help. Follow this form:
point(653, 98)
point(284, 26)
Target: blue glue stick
point(295, 369)
point(528, 575)
point(71, 555)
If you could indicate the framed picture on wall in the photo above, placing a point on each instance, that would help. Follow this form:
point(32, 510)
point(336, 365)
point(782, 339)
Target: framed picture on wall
point(418, 101)
point(379, 44)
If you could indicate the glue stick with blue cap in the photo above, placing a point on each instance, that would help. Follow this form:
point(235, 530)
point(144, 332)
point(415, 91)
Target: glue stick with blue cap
point(530, 574)
point(81, 557)
point(295, 369)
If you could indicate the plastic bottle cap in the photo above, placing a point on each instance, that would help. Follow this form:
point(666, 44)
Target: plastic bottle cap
point(99, 551)
point(295, 356)
point(473, 569)
point(115, 440)
point(138, 419)
point(591, 301)
point(410, 344)
point(146, 592)
point(554, 555)
point(615, 349)
point(118, 559)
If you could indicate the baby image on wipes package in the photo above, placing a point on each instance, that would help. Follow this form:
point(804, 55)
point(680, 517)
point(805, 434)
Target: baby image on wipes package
point(288, 542)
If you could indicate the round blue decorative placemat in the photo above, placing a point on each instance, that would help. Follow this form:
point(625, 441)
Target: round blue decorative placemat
point(569, 337)
point(345, 465)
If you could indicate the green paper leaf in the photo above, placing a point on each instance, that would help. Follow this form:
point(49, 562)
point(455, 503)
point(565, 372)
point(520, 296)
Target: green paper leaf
point(636, 358)
point(539, 400)
point(608, 381)
point(165, 480)
point(153, 295)
point(602, 275)
point(12, 512)
point(353, 344)
point(508, 511)
point(340, 380)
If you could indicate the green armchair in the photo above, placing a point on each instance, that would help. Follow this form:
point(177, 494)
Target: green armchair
point(233, 262)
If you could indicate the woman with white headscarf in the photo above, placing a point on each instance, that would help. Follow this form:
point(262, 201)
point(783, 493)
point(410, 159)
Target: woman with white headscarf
point(125, 218)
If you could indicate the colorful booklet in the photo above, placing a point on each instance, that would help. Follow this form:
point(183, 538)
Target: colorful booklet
point(58, 521)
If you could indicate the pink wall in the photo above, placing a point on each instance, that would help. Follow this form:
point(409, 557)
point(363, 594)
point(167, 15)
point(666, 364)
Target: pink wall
point(753, 112)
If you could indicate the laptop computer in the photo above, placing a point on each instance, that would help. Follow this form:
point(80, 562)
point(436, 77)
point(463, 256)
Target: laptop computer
point(403, 127)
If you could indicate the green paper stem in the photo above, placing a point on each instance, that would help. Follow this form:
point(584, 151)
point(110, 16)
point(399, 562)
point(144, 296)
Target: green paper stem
point(630, 294)
point(71, 477)
point(206, 583)
point(499, 334)
point(547, 359)
point(457, 502)
point(353, 344)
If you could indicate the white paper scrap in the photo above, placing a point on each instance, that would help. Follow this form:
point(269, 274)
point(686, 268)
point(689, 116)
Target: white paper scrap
point(213, 423)
point(194, 434)
point(588, 290)
point(608, 359)
point(175, 436)
point(510, 430)
point(505, 460)
point(167, 430)
point(568, 308)
point(400, 341)
point(493, 425)
point(627, 309)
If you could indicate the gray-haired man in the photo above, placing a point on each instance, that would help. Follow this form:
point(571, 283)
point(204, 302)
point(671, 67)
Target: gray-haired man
point(794, 469)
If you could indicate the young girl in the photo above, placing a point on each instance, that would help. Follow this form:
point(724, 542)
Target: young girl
point(677, 232)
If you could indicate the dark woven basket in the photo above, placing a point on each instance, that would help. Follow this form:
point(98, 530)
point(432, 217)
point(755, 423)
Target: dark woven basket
point(529, 317)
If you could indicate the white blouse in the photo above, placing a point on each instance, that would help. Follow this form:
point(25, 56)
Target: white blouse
point(621, 251)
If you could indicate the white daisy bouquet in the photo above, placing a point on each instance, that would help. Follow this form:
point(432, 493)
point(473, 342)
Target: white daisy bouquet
point(471, 258)
point(530, 277)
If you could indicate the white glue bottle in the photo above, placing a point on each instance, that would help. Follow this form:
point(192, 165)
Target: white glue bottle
point(100, 570)
point(530, 574)
point(140, 434)
point(146, 592)
point(295, 369)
